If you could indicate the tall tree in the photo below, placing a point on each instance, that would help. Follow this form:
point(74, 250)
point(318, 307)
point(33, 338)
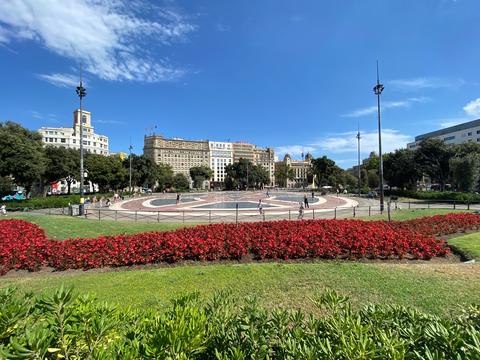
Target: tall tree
point(21, 154)
point(164, 176)
point(62, 163)
point(400, 169)
point(326, 172)
point(283, 173)
point(433, 158)
point(180, 182)
point(107, 172)
point(199, 174)
point(243, 174)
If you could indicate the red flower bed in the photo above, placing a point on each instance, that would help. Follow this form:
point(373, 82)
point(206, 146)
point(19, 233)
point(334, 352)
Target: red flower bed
point(24, 246)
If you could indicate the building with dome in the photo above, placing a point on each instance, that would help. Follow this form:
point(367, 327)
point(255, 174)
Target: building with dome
point(301, 169)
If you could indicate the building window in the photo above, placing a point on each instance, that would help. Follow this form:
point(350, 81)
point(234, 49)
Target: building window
point(62, 140)
point(470, 134)
point(449, 138)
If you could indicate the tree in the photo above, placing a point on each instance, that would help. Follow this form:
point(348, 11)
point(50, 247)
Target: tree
point(199, 174)
point(6, 185)
point(465, 172)
point(243, 174)
point(145, 172)
point(21, 154)
point(180, 182)
point(164, 176)
point(326, 172)
point(433, 158)
point(283, 173)
point(62, 163)
point(400, 169)
point(107, 172)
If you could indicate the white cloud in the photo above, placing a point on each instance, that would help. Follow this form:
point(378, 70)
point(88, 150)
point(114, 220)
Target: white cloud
point(61, 80)
point(48, 117)
point(473, 107)
point(347, 142)
point(421, 83)
point(113, 122)
point(113, 39)
point(293, 150)
point(387, 105)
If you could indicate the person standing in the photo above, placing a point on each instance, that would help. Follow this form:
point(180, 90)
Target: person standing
point(313, 194)
point(178, 199)
point(305, 200)
point(3, 209)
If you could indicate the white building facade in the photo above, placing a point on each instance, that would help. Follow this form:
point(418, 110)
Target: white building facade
point(461, 133)
point(221, 155)
point(70, 137)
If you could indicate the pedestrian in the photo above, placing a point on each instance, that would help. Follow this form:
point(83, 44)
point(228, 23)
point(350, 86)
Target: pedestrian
point(3, 209)
point(260, 206)
point(305, 200)
point(94, 200)
point(268, 194)
point(313, 194)
point(178, 199)
point(338, 191)
point(108, 203)
point(300, 211)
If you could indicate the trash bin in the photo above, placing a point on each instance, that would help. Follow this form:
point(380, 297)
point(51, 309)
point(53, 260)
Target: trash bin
point(73, 210)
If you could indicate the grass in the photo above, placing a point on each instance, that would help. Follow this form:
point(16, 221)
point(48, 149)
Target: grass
point(434, 287)
point(470, 244)
point(63, 227)
point(406, 214)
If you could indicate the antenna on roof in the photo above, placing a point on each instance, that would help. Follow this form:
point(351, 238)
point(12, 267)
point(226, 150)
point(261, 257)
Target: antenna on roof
point(303, 155)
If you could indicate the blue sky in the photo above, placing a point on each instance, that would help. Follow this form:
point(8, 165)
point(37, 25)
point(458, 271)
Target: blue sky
point(285, 74)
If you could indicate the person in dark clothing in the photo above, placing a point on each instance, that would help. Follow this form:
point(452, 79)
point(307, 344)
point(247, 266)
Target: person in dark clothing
point(305, 200)
point(313, 194)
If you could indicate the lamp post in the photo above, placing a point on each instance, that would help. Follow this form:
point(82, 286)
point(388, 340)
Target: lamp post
point(130, 169)
point(358, 164)
point(81, 92)
point(378, 88)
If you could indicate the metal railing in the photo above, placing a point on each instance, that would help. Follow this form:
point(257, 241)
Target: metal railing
point(236, 215)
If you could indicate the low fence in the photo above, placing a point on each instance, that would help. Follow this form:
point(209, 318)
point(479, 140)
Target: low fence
point(235, 216)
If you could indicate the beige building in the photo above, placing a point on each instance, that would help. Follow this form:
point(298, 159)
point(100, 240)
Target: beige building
point(243, 150)
point(301, 169)
point(180, 154)
point(70, 137)
point(266, 158)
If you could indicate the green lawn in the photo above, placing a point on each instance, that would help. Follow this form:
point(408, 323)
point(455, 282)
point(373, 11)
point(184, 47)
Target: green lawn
point(436, 288)
point(406, 214)
point(470, 244)
point(63, 227)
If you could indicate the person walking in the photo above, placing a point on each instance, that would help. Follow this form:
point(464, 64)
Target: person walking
point(3, 209)
point(260, 207)
point(178, 199)
point(300, 211)
point(305, 200)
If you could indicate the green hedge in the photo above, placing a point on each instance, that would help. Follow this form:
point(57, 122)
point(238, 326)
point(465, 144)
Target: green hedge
point(56, 201)
point(435, 195)
point(62, 325)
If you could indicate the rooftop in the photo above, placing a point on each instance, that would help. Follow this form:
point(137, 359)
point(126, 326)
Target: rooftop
point(448, 130)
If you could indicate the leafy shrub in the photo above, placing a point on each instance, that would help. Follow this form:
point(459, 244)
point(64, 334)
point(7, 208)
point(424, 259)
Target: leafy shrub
point(436, 195)
point(63, 325)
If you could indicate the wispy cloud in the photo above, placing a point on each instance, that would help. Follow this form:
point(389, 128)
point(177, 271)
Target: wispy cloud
point(387, 105)
point(294, 150)
point(422, 83)
point(112, 122)
point(347, 143)
point(473, 107)
point(114, 39)
point(49, 117)
point(60, 80)
point(222, 27)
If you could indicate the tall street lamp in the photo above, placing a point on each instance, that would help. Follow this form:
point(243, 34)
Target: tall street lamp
point(130, 169)
point(358, 164)
point(378, 88)
point(81, 92)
